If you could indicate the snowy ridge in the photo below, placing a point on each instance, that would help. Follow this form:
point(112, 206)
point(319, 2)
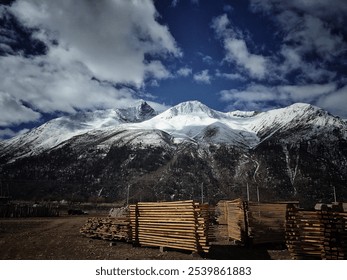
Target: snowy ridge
point(56, 131)
point(188, 121)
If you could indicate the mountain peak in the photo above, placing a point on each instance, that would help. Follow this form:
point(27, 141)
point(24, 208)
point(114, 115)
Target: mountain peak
point(144, 110)
point(191, 108)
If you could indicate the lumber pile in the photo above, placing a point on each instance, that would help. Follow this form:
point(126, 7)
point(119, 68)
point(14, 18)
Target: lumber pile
point(231, 221)
point(237, 224)
point(244, 221)
point(178, 224)
point(318, 234)
point(107, 228)
point(335, 238)
point(220, 229)
point(266, 222)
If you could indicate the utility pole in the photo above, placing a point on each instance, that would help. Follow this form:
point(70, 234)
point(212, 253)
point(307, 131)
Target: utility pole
point(247, 192)
point(128, 194)
point(258, 193)
point(202, 192)
point(334, 194)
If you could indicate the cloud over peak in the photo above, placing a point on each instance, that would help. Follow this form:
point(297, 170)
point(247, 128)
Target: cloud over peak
point(91, 48)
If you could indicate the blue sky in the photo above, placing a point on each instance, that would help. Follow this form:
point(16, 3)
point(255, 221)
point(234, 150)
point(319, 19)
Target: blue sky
point(59, 57)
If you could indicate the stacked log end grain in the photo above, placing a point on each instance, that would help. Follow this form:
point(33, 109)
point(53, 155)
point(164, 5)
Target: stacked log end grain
point(112, 229)
point(266, 222)
point(316, 234)
point(304, 234)
point(335, 236)
point(179, 225)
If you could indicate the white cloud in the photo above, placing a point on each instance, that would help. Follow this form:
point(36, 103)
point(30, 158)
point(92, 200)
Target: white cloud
point(230, 76)
point(309, 30)
point(311, 34)
point(236, 49)
point(157, 69)
point(220, 25)
point(203, 77)
point(174, 3)
point(8, 133)
point(90, 33)
point(13, 112)
point(258, 97)
point(49, 86)
point(335, 102)
point(333, 10)
point(98, 45)
point(207, 59)
point(184, 71)
point(238, 52)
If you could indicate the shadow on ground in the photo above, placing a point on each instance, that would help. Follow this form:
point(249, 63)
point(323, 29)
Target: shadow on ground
point(235, 252)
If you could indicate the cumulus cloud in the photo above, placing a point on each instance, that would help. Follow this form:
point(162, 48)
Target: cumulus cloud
point(205, 58)
point(91, 47)
point(335, 10)
point(13, 112)
point(203, 77)
point(110, 38)
point(335, 102)
point(236, 50)
point(230, 76)
point(310, 39)
point(184, 71)
point(8, 133)
point(258, 97)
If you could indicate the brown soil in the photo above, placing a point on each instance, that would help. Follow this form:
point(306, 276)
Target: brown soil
point(59, 239)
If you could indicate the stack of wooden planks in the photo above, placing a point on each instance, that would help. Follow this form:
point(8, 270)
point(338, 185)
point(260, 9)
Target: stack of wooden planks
point(335, 236)
point(231, 221)
point(304, 234)
point(237, 224)
point(316, 234)
point(220, 229)
point(107, 228)
point(266, 222)
point(178, 224)
point(254, 222)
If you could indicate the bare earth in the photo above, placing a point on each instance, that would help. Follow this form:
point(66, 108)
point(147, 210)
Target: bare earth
point(58, 238)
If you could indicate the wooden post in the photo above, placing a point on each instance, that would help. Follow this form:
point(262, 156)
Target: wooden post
point(258, 193)
point(334, 194)
point(202, 192)
point(247, 192)
point(128, 194)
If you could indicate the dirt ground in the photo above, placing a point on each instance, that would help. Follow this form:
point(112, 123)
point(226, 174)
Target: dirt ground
point(58, 238)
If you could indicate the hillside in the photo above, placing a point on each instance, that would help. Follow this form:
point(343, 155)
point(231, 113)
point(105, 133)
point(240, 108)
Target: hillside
point(293, 153)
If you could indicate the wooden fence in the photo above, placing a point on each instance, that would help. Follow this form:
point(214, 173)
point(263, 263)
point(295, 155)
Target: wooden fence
point(318, 234)
point(22, 211)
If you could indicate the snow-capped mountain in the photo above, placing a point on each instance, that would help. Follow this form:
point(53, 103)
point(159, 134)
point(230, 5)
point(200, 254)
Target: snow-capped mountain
point(297, 152)
point(56, 131)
